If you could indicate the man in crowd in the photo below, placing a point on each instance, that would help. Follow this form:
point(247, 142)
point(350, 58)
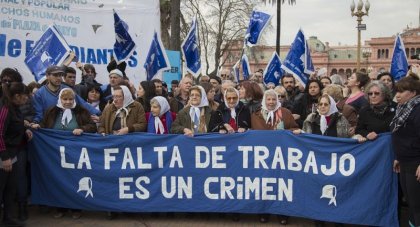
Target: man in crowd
point(216, 83)
point(174, 87)
point(116, 77)
point(47, 95)
point(70, 77)
point(289, 83)
point(181, 99)
point(258, 76)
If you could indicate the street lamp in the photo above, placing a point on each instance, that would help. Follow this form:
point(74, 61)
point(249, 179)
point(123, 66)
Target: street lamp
point(367, 52)
point(359, 14)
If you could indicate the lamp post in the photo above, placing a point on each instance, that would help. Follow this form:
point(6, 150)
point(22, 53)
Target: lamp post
point(359, 13)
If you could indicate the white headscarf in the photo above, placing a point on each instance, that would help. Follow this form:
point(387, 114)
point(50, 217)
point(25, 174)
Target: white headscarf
point(164, 107)
point(270, 113)
point(67, 115)
point(333, 109)
point(128, 99)
point(232, 110)
point(195, 110)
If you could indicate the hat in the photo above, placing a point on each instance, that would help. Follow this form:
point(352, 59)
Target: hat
point(174, 82)
point(55, 69)
point(117, 72)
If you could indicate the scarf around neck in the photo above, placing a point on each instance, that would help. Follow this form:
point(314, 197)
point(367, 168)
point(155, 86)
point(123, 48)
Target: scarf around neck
point(403, 111)
point(67, 114)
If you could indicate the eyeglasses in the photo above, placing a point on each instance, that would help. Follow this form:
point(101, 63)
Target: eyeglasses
point(374, 93)
point(117, 97)
point(323, 104)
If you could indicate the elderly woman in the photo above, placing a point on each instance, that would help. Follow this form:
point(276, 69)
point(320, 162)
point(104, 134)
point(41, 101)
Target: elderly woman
point(327, 121)
point(349, 112)
point(273, 117)
point(123, 115)
point(195, 117)
point(406, 140)
point(160, 118)
point(231, 116)
point(375, 117)
point(68, 116)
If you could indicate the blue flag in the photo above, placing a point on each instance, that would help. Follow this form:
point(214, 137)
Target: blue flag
point(298, 61)
point(156, 59)
point(246, 69)
point(258, 21)
point(399, 63)
point(236, 72)
point(273, 72)
point(124, 45)
point(190, 50)
point(50, 49)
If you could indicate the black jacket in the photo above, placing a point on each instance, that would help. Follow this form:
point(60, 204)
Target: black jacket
point(369, 121)
point(222, 116)
point(406, 139)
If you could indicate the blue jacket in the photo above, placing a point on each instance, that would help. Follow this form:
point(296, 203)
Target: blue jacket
point(44, 98)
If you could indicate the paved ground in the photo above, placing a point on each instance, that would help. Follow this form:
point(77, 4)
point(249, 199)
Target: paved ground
point(98, 219)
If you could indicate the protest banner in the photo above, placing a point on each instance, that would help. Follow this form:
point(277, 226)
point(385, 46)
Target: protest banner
point(318, 177)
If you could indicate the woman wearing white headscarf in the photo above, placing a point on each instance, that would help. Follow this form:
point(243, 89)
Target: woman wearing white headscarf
point(272, 116)
point(67, 115)
point(232, 115)
point(123, 115)
point(327, 121)
point(160, 118)
point(194, 118)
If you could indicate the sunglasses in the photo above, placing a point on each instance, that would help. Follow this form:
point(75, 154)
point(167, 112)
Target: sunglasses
point(374, 93)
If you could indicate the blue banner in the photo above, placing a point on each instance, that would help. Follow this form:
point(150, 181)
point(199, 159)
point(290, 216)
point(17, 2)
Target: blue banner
point(191, 51)
point(174, 73)
point(273, 72)
point(246, 69)
point(50, 49)
point(156, 60)
point(298, 61)
point(124, 45)
point(258, 21)
point(399, 63)
point(317, 177)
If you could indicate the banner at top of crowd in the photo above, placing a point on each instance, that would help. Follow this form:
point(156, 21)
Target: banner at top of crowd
point(86, 25)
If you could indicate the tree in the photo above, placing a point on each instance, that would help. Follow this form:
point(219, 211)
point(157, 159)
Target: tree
point(165, 16)
point(278, 29)
point(220, 22)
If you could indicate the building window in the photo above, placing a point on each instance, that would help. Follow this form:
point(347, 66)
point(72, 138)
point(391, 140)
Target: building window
point(386, 53)
point(412, 52)
point(379, 54)
point(262, 57)
point(407, 52)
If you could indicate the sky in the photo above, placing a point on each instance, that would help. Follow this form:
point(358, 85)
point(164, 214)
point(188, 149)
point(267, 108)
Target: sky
point(331, 20)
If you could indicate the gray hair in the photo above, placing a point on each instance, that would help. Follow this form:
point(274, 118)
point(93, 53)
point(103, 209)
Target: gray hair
point(385, 91)
point(336, 79)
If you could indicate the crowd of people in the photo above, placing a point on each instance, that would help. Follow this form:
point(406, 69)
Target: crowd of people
point(358, 108)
